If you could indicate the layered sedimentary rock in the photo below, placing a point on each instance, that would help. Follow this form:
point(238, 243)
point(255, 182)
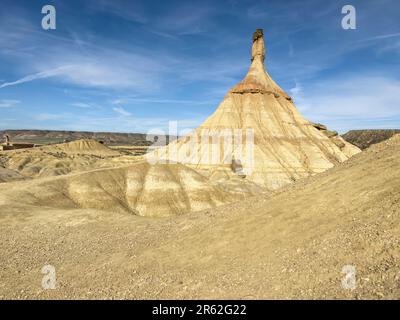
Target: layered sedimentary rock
point(140, 189)
point(258, 124)
point(58, 159)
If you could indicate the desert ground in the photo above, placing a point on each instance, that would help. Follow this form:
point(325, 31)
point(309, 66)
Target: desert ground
point(290, 243)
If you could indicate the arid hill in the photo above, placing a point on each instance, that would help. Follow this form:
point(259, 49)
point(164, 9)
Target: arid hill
point(101, 178)
point(364, 138)
point(54, 136)
point(292, 244)
point(139, 189)
point(57, 159)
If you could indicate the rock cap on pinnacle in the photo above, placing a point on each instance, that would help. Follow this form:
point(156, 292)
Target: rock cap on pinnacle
point(257, 79)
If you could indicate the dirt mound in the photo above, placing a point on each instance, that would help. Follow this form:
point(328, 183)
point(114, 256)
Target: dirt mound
point(365, 138)
point(141, 189)
point(84, 146)
point(58, 159)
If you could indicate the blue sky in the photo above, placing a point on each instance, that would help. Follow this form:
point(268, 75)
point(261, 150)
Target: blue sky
point(132, 66)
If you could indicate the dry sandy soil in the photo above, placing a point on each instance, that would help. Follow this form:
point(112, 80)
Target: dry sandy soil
point(292, 243)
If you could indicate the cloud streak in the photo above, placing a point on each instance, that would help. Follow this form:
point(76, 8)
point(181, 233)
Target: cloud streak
point(36, 76)
point(122, 111)
point(81, 105)
point(383, 36)
point(356, 102)
point(7, 103)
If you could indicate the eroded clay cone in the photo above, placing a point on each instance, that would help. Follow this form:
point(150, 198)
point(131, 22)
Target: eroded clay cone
point(285, 146)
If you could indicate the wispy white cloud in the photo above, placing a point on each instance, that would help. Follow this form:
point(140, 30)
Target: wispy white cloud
point(81, 105)
point(351, 102)
point(122, 111)
point(68, 121)
point(297, 90)
point(97, 68)
point(162, 34)
point(131, 11)
point(383, 36)
point(119, 101)
point(8, 103)
point(160, 101)
point(36, 76)
point(187, 18)
point(51, 116)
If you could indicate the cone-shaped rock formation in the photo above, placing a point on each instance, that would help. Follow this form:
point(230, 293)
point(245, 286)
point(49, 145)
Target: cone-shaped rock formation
point(274, 143)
